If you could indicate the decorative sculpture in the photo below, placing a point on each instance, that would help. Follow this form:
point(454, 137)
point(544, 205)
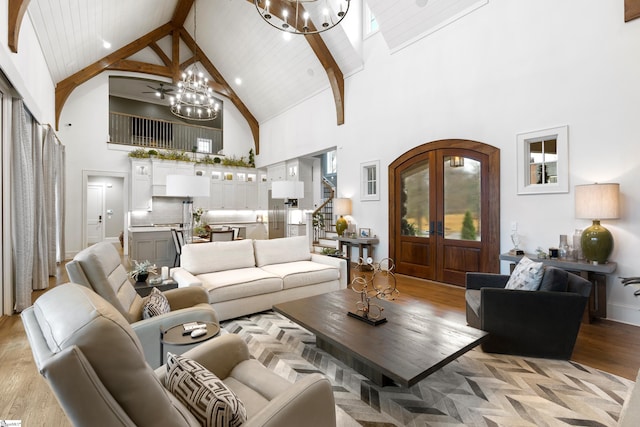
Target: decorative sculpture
point(380, 284)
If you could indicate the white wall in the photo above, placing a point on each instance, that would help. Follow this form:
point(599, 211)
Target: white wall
point(27, 70)
point(84, 130)
point(507, 68)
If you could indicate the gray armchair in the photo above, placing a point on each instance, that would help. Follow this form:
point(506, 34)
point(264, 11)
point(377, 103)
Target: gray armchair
point(543, 323)
point(94, 363)
point(99, 268)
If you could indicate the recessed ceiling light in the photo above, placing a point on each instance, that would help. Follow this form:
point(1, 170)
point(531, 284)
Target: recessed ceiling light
point(286, 36)
point(422, 3)
point(238, 81)
point(106, 44)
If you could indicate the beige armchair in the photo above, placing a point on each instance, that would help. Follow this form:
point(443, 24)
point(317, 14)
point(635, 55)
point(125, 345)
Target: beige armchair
point(99, 268)
point(93, 362)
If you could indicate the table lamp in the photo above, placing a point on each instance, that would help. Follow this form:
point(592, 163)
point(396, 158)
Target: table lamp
point(342, 206)
point(596, 202)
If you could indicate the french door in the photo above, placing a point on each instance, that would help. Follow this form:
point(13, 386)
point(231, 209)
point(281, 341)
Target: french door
point(444, 210)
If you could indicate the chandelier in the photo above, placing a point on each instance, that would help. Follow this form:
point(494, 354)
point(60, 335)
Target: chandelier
point(194, 100)
point(295, 18)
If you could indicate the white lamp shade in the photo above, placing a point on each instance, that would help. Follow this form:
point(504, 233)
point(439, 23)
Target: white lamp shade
point(287, 189)
point(187, 186)
point(598, 201)
point(342, 206)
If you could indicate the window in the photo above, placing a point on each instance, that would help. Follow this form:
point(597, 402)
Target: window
point(543, 161)
point(204, 145)
point(369, 180)
point(370, 24)
point(332, 164)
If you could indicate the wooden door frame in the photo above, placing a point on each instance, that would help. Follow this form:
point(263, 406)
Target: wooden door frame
point(489, 261)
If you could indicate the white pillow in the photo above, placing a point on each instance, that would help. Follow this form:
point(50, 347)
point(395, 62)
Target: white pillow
point(526, 276)
point(155, 304)
point(203, 393)
point(201, 258)
point(279, 251)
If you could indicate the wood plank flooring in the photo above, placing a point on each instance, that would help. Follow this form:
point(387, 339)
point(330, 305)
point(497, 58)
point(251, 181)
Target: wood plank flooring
point(609, 346)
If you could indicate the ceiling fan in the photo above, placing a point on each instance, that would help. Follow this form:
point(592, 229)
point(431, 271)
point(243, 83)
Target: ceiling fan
point(160, 91)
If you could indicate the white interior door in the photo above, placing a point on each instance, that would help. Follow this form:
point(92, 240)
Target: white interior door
point(95, 213)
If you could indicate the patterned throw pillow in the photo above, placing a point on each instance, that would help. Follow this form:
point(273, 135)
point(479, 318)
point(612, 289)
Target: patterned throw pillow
point(526, 276)
point(206, 396)
point(155, 304)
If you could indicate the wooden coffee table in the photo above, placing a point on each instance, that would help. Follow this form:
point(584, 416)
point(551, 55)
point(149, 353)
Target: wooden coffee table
point(412, 344)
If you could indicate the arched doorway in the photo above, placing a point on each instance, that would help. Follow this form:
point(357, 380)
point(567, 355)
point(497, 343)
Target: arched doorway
point(444, 210)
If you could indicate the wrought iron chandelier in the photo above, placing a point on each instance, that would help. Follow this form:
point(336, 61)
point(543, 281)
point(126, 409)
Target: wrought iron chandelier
point(194, 100)
point(294, 17)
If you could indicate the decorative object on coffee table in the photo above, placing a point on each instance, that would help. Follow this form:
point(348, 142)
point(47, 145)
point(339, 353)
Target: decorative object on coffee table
point(141, 270)
point(381, 284)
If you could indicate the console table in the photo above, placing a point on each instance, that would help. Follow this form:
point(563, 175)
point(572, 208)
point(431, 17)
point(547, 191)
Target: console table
point(595, 273)
point(361, 243)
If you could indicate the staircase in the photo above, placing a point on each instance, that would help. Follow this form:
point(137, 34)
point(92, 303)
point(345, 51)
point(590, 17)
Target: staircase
point(324, 238)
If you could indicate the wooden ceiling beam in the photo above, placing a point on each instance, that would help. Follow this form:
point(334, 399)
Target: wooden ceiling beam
point(180, 13)
point(227, 90)
point(17, 9)
point(68, 85)
point(141, 67)
point(334, 74)
point(163, 56)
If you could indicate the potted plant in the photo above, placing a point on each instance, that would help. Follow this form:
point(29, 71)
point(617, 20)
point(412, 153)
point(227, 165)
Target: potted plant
point(141, 270)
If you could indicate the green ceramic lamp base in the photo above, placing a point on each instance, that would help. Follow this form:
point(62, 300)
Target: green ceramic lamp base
point(597, 243)
point(341, 225)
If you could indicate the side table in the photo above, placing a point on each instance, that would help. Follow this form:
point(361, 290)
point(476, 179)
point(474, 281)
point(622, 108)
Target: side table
point(144, 289)
point(595, 273)
point(361, 243)
point(173, 337)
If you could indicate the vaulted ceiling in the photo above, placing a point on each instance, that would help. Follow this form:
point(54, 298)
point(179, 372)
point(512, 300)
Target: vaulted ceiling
point(232, 42)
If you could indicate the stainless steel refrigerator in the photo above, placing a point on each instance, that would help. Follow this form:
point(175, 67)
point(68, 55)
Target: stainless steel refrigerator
point(276, 217)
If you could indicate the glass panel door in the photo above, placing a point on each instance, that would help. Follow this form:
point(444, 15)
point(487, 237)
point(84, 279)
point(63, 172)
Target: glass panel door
point(415, 201)
point(462, 198)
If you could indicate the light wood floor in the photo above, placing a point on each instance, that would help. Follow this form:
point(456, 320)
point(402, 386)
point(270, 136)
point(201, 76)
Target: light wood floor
point(609, 346)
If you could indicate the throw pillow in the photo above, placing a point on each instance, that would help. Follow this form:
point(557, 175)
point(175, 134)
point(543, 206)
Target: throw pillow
point(526, 276)
point(554, 280)
point(203, 393)
point(156, 304)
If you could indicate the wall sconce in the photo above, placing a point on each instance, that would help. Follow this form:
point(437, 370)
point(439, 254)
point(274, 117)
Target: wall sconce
point(596, 202)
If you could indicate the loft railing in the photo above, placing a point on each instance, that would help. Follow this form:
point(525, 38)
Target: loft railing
point(162, 134)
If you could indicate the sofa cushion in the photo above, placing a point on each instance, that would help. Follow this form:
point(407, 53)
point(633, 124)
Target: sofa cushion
point(554, 280)
point(206, 396)
point(303, 273)
point(473, 298)
point(217, 256)
point(278, 251)
point(240, 283)
point(155, 304)
point(526, 276)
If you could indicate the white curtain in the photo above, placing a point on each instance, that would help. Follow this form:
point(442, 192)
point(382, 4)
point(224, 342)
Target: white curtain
point(23, 205)
point(41, 254)
point(53, 167)
point(37, 204)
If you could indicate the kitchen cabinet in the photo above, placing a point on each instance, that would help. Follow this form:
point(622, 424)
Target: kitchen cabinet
point(154, 244)
point(141, 185)
point(302, 170)
point(162, 168)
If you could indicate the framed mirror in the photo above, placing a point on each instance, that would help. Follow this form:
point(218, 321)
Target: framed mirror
point(543, 161)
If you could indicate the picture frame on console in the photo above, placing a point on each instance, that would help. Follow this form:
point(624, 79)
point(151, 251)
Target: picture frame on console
point(365, 233)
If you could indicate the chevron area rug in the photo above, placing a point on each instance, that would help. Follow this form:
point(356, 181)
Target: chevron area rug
point(477, 389)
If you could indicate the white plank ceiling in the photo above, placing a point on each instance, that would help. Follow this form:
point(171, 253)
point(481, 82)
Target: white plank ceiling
point(276, 73)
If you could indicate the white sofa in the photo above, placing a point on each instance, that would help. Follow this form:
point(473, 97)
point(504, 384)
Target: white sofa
point(249, 276)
